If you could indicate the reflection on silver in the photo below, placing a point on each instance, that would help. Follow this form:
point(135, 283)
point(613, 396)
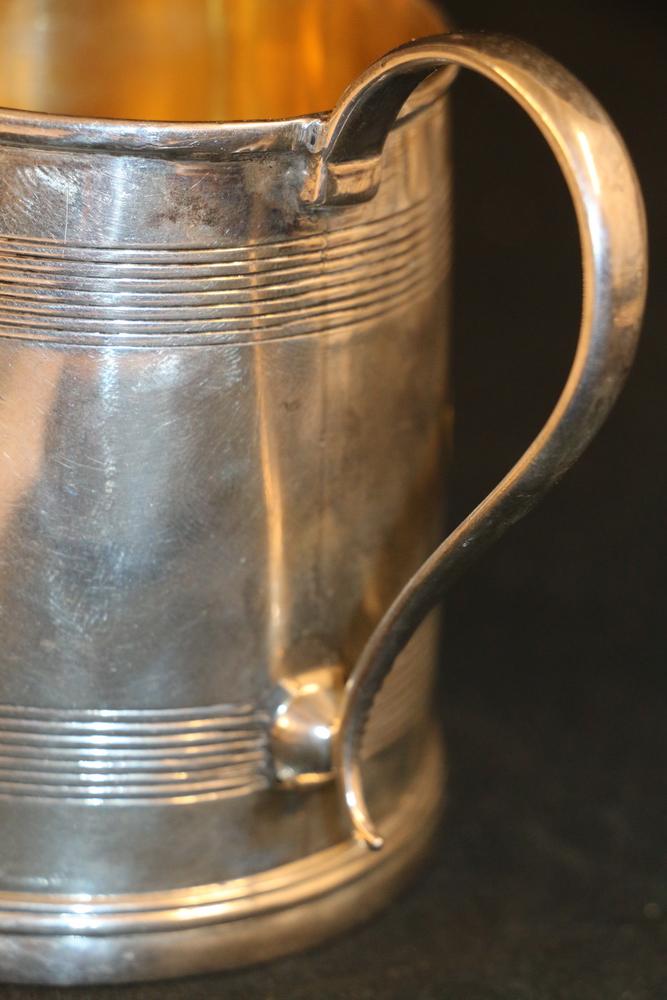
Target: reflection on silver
point(305, 725)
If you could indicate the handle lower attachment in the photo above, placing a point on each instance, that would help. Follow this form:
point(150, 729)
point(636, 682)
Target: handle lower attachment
point(612, 229)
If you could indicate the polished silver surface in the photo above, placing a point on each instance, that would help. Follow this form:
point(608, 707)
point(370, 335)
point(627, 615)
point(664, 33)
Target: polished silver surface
point(196, 538)
point(224, 416)
point(305, 725)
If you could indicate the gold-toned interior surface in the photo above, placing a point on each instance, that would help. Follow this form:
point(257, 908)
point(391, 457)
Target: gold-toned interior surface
point(195, 60)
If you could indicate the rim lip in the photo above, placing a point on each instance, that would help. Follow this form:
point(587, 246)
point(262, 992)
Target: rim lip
point(190, 139)
point(152, 138)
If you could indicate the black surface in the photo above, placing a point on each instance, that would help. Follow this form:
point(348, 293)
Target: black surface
point(549, 880)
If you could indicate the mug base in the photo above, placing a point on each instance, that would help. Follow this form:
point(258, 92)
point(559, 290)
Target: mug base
point(210, 928)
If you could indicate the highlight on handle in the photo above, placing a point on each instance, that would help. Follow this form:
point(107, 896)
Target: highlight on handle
point(612, 229)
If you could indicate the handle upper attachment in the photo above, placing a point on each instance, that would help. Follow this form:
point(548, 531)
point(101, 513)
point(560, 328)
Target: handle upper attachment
point(612, 229)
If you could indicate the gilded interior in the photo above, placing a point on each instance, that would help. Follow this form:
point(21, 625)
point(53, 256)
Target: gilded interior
point(195, 60)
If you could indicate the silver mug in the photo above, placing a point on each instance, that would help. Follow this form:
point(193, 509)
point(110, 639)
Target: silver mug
point(223, 415)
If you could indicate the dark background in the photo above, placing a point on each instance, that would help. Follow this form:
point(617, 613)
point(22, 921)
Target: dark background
point(549, 877)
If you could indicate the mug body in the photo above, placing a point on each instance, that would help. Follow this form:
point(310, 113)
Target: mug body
point(224, 418)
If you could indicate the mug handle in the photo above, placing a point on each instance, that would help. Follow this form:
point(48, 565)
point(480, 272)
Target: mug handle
point(612, 230)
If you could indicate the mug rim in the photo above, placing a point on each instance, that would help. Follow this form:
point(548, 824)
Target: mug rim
point(189, 139)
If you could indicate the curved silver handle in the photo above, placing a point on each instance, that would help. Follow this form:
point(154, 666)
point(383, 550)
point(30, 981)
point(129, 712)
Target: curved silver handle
point(612, 229)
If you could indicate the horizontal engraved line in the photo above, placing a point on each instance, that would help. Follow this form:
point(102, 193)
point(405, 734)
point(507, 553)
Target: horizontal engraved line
point(166, 730)
point(76, 714)
point(254, 268)
point(164, 754)
point(395, 242)
point(84, 779)
point(282, 257)
point(130, 778)
point(102, 740)
point(224, 315)
point(307, 305)
point(71, 751)
point(123, 765)
point(216, 299)
point(318, 315)
point(192, 791)
point(247, 281)
point(240, 335)
point(317, 282)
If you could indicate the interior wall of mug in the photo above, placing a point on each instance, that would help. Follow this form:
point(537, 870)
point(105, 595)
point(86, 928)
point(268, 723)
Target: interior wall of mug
point(195, 60)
